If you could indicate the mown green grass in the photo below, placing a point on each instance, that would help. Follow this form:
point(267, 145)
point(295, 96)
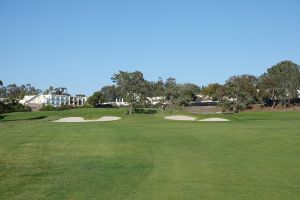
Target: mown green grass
point(254, 156)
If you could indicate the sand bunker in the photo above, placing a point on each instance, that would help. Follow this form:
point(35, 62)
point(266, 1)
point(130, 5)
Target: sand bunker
point(81, 119)
point(213, 120)
point(181, 118)
point(188, 118)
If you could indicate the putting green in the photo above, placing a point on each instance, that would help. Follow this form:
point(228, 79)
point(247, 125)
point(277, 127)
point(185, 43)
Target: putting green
point(254, 156)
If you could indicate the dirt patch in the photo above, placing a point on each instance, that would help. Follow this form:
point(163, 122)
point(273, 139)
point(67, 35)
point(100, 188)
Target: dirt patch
point(278, 108)
point(180, 118)
point(213, 120)
point(203, 109)
point(81, 119)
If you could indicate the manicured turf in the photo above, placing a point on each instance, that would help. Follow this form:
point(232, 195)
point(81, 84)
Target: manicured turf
point(254, 156)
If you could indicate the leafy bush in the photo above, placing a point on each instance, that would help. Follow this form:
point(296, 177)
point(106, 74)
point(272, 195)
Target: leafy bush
point(3, 108)
point(48, 108)
point(232, 105)
point(86, 106)
point(13, 107)
point(52, 108)
point(17, 107)
point(66, 107)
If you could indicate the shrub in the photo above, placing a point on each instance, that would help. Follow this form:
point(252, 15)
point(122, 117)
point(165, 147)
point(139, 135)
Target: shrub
point(13, 107)
point(66, 107)
point(17, 107)
point(52, 108)
point(48, 108)
point(232, 105)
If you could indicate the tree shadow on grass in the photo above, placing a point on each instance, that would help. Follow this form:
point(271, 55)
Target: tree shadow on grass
point(145, 111)
point(2, 118)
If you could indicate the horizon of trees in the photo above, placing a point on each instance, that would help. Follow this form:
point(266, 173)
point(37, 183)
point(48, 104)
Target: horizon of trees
point(278, 85)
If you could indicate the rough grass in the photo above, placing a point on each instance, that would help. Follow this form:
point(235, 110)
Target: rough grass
point(254, 156)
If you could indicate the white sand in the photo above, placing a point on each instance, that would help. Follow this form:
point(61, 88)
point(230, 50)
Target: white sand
point(213, 120)
point(81, 119)
point(180, 117)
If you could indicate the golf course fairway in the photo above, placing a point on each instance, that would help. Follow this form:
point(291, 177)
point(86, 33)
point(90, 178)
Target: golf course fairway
point(146, 157)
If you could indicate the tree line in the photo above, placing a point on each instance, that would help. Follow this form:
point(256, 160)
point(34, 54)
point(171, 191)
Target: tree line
point(280, 84)
point(135, 90)
point(11, 94)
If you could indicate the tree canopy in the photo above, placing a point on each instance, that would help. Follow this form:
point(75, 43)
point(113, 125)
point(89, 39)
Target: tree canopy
point(96, 99)
point(133, 88)
point(280, 83)
point(111, 92)
point(57, 91)
point(240, 92)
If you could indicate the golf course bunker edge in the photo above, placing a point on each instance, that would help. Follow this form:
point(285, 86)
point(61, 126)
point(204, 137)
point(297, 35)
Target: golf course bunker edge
point(213, 120)
point(81, 119)
point(180, 118)
point(189, 118)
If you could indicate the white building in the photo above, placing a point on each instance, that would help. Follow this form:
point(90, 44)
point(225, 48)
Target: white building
point(53, 100)
point(155, 100)
point(120, 102)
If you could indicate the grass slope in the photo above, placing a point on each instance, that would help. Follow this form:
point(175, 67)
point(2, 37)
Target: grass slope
point(254, 156)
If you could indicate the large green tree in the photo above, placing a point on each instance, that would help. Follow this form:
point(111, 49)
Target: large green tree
point(13, 93)
point(111, 93)
point(133, 88)
point(280, 83)
point(240, 92)
point(61, 91)
point(187, 93)
point(28, 89)
point(171, 93)
point(1, 88)
point(96, 99)
point(58, 91)
point(214, 90)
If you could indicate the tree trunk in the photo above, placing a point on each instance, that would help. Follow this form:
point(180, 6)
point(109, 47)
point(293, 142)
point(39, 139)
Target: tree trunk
point(274, 104)
point(130, 110)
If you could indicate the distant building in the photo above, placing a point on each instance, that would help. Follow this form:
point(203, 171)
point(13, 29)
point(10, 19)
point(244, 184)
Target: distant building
point(155, 100)
point(53, 100)
point(120, 102)
point(4, 100)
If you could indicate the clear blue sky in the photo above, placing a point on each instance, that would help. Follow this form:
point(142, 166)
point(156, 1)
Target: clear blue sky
point(80, 44)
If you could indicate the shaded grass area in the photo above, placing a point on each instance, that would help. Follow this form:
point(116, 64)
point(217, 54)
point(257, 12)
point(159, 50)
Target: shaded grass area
point(89, 113)
point(254, 156)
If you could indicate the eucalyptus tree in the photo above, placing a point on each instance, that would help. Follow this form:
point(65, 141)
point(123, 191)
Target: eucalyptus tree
point(240, 92)
point(58, 91)
point(49, 90)
point(2, 89)
point(188, 92)
point(13, 93)
point(111, 92)
point(171, 93)
point(133, 88)
point(281, 82)
point(214, 90)
point(96, 99)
